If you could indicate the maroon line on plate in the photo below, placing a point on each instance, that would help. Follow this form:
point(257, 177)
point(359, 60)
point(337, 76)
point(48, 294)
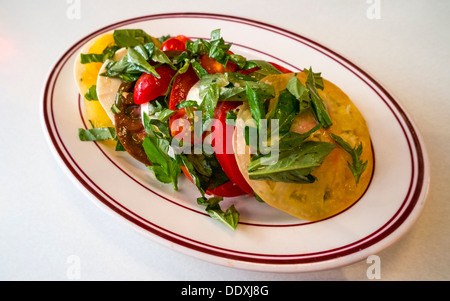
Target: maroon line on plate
point(354, 247)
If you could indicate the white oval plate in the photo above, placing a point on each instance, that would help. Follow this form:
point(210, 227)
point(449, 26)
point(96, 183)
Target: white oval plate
point(265, 239)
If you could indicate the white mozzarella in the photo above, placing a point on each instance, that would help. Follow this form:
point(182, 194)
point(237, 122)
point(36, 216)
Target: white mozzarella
point(107, 87)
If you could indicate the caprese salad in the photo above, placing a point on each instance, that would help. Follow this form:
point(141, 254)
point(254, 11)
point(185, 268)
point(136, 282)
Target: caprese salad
point(231, 125)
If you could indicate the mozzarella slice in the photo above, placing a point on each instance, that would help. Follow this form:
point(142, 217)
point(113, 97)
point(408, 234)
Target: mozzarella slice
point(107, 87)
point(194, 93)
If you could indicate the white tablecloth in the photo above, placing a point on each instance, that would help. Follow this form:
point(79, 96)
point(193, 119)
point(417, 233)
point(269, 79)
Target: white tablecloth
point(46, 222)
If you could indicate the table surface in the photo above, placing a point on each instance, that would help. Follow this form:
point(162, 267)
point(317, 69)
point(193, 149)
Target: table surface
point(46, 222)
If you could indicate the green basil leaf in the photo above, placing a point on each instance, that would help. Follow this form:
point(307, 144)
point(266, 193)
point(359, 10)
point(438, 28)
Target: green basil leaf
point(183, 160)
point(199, 70)
point(292, 166)
point(357, 166)
point(229, 218)
point(256, 104)
point(131, 37)
point(97, 134)
point(208, 105)
point(140, 63)
point(187, 104)
point(265, 68)
point(318, 80)
point(218, 48)
point(300, 92)
point(158, 55)
point(164, 167)
point(319, 109)
point(238, 60)
point(91, 93)
point(231, 117)
point(91, 58)
point(284, 110)
point(119, 147)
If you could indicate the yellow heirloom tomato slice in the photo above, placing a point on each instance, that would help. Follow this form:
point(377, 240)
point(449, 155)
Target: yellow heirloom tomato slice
point(86, 76)
point(335, 188)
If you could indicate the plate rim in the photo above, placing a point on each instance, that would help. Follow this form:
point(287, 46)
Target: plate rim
point(221, 257)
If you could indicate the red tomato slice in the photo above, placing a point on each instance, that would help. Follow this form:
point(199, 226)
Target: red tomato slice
point(223, 144)
point(148, 87)
point(229, 189)
point(180, 121)
point(180, 89)
point(248, 71)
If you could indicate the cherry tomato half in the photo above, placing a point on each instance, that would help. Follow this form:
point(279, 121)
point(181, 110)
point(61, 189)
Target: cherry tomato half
point(213, 66)
point(175, 43)
point(149, 87)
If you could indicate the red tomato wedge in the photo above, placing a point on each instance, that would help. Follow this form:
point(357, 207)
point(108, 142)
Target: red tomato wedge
point(280, 68)
point(180, 122)
point(180, 89)
point(229, 189)
point(223, 144)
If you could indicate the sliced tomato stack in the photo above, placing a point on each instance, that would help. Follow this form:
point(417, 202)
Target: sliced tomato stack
point(182, 84)
point(148, 87)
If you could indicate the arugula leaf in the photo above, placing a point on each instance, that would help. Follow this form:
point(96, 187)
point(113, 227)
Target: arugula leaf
point(97, 134)
point(230, 217)
point(319, 109)
point(292, 166)
point(91, 93)
point(357, 166)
